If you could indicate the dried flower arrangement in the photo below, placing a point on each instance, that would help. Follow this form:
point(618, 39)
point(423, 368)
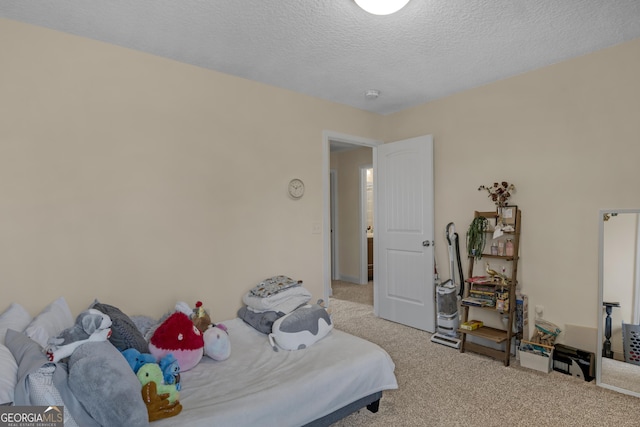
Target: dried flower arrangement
point(499, 193)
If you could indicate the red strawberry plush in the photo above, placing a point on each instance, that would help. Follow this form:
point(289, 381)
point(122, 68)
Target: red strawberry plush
point(178, 335)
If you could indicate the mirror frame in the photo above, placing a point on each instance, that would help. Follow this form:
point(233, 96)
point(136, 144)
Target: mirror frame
point(600, 296)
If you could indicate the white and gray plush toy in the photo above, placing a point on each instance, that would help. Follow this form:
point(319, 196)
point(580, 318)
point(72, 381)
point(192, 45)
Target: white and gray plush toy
point(302, 327)
point(91, 325)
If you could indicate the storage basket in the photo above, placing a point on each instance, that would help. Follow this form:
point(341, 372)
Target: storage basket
point(536, 356)
point(631, 343)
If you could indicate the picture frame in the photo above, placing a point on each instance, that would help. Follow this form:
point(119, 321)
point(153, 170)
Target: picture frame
point(509, 214)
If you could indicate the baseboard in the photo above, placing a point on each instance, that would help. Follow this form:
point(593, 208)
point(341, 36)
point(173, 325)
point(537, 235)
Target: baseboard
point(350, 279)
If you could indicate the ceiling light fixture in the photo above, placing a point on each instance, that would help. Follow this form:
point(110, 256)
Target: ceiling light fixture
point(382, 7)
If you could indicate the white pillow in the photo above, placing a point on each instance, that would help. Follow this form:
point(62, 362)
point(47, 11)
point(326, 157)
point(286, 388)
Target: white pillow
point(55, 318)
point(14, 317)
point(8, 375)
point(17, 318)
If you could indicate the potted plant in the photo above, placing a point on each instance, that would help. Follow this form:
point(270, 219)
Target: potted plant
point(477, 237)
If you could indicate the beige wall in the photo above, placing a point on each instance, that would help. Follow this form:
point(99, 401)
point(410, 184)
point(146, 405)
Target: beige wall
point(142, 181)
point(568, 136)
point(347, 165)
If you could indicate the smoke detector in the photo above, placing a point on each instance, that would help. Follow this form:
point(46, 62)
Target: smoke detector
point(372, 94)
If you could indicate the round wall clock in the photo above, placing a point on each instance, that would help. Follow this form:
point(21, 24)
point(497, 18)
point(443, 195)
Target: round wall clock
point(296, 188)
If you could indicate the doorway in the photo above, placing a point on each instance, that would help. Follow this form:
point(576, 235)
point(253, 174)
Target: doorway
point(345, 237)
point(355, 289)
point(351, 202)
point(366, 218)
point(403, 286)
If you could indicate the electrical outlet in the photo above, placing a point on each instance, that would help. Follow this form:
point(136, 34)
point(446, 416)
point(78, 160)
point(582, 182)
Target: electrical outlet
point(539, 310)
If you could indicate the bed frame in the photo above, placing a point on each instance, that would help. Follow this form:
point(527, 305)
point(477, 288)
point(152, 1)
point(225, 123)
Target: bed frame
point(372, 402)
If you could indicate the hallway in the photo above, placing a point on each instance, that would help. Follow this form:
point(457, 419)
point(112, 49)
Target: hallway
point(347, 291)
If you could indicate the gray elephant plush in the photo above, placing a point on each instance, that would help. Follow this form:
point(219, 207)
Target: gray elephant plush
point(91, 325)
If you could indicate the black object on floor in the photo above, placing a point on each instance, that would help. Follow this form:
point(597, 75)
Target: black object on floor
point(575, 362)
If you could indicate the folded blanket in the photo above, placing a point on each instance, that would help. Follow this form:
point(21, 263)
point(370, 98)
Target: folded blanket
point(262, 322)
point(274, 285)
point(285, 301)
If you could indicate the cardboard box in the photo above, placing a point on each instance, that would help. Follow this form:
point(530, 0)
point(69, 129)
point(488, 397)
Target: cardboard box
point(471, 325)
point(538, 360)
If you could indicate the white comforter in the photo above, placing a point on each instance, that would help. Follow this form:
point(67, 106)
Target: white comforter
point(259, 387)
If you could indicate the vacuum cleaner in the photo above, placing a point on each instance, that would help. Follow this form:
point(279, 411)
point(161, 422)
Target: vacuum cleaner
point(448, 295)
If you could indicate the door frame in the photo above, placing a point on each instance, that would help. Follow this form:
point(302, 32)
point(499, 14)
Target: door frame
point(327, 137)
point(334, 228)
point(364, 263)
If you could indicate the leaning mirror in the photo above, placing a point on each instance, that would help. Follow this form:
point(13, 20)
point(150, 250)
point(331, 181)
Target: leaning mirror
point(618, 358)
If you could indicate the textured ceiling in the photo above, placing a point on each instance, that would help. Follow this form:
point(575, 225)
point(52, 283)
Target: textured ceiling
point(332, 49)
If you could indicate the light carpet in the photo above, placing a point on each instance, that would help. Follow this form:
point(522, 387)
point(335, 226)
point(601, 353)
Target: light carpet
point(439, 386)
point(354, 292)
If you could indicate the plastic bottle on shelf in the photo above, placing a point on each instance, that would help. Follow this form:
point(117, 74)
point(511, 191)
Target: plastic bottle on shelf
point(509, 247)
point(501, 248)
point(494, 248)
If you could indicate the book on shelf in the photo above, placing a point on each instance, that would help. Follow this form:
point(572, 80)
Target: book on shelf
point(480, 280)
point(490, 300)
point(478, 302)
point(477, 292)
point(483, 288)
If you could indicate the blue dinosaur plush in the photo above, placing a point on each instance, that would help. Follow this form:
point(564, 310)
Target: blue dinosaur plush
point(170, 370)
point(137, 359)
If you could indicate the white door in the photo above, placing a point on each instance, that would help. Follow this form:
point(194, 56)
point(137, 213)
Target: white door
point(405, 233)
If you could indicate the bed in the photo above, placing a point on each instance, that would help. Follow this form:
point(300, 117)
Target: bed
point(255, 386)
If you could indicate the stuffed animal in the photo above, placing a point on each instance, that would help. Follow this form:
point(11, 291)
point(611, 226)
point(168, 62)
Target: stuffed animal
point(184, 308)
point(170, 370)
point(216, 342)
point(161, 399)
point(152, 372)
point(178, 335)
point(201, 318)
point(301, 328)
point(91, 325)
point(158, 405)
point(199, 311)
point(137, 359)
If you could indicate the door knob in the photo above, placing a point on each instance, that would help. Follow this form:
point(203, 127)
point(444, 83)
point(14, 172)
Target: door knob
point(426, 243)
